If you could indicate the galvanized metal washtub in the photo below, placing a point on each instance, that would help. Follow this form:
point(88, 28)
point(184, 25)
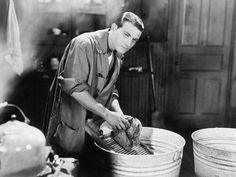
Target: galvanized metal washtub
point(214, 152)
point(165, 162)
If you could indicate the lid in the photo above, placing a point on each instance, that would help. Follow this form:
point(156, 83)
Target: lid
point(13, 127)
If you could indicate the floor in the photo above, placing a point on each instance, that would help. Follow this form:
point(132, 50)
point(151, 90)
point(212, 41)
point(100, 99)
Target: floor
point(187, 166)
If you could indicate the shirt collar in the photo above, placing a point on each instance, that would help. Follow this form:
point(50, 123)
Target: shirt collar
point(102, 41)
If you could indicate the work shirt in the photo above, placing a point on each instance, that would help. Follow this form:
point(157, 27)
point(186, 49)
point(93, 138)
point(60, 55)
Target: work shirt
point(84, 66)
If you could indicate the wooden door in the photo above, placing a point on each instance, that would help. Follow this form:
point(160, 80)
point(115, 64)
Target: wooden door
point(200, 36)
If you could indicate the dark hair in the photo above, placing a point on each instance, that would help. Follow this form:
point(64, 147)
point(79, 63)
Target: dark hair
point(132, 18)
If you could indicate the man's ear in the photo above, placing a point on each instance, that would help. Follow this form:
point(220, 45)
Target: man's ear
point(114, 27)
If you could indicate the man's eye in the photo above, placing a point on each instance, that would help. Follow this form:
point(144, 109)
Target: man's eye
point(126, 34)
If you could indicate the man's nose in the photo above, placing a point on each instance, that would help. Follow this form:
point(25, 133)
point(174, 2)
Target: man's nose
point(128, 42)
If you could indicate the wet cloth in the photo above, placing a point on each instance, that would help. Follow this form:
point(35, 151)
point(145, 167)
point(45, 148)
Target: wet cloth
point(129, 137)
point(125, 138)
point(84, 66)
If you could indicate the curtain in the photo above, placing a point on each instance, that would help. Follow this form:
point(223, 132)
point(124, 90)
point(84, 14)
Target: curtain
point(13, 44)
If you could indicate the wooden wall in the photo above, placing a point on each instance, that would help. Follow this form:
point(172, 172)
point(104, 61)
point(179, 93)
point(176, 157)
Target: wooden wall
point(3, 20)
point(232, 91)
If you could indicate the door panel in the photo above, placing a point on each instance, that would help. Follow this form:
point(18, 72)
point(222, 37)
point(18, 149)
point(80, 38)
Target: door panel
point(217, 14)
point(187, 95)
point(200, 62)
point(191, 14)
point(211, 96)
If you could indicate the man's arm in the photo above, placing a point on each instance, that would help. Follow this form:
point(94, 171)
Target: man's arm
point(115, 119)
point(73, 81)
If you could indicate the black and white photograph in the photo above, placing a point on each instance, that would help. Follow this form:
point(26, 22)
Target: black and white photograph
point(117, 88)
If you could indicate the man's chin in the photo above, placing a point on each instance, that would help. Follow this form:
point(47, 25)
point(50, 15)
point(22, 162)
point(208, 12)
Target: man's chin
point(122, 51)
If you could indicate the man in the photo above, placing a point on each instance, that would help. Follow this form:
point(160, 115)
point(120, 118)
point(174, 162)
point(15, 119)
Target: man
point(85, 83)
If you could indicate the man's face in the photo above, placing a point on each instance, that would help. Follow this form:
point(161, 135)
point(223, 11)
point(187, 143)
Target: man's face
point(125, 37)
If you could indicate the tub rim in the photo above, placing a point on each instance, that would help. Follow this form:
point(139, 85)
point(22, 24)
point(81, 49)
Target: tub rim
point(180, 148)
point(214, 148)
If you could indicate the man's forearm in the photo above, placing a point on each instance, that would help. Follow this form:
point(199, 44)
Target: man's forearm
point(87, 101)
point(115, 119)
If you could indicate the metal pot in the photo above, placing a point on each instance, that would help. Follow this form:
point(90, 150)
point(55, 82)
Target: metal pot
point(22, 150)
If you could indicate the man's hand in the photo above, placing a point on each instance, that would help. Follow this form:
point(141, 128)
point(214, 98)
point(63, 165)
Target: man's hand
point(134, 131)
point(116, 120)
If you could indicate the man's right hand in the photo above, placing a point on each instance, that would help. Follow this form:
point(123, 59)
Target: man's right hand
point(116, 120)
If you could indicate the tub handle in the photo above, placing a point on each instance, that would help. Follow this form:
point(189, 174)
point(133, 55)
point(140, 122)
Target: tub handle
point(177, 156)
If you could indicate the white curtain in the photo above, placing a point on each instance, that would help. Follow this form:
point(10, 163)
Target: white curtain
point(14, 54)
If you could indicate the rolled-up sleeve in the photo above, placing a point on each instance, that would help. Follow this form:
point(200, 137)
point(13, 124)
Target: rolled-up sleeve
point(77, 67)
point(70, 85)
point(115, 93)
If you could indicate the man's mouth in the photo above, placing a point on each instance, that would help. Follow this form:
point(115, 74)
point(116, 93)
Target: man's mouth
point(124, 48)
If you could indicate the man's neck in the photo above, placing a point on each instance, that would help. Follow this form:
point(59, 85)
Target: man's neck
point(110, 58)
point(109, 44)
